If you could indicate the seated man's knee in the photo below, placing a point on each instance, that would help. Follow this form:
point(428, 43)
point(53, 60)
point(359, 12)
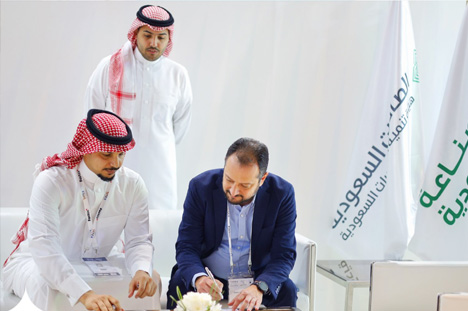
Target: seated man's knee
point(175, 282)
point(286, 296)
point(289, 293)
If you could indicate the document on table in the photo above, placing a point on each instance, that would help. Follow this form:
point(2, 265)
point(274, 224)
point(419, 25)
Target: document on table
point(101, 267)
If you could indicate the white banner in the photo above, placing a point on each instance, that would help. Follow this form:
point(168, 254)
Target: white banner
point(442, 222)
point(375, 214)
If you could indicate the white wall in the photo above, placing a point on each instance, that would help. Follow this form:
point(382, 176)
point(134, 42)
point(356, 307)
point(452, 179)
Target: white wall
point(292, 74)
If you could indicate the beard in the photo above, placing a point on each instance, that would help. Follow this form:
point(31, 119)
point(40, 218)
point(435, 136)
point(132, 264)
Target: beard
point(106, 178)
point(242, 202)
point(109, 178)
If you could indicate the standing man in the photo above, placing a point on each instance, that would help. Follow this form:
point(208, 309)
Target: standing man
point(239, 222)
point(81, 202)
point(152, 93)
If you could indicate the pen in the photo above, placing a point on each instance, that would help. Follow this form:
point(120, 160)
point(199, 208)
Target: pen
point(214, 281)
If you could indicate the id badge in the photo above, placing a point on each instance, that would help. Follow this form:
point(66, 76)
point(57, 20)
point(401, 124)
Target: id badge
point(237, 283)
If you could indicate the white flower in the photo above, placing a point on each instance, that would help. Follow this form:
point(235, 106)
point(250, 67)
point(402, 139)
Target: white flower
point(193, 301)
point(215, 306)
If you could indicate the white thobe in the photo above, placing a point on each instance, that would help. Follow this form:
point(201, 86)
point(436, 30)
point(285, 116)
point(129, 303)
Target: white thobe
point(160, 115)
point(58, 231)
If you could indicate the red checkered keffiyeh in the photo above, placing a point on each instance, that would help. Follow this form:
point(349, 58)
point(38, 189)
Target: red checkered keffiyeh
point(116, 65)
point(84, 142)
point(153, 12)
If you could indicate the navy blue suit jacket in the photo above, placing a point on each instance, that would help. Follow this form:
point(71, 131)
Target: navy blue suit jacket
point(273, 228)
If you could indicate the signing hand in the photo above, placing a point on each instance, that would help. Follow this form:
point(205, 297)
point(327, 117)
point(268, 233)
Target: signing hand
point(206, 285)
point(142, 282)
point(95, 302)
point(248, 299)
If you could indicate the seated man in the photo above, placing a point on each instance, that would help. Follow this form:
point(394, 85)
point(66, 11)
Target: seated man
point(239, 222)
point(81, 202)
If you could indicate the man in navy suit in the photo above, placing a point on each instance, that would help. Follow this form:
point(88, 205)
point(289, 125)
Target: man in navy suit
point(239, 222)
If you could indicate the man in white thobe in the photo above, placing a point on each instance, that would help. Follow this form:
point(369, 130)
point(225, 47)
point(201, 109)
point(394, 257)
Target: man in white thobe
point(152, 93)
point(81, 201)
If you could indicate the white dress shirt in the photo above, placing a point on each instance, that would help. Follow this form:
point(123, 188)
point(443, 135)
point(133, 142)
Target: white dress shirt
point(160, 114)
point(58, 227)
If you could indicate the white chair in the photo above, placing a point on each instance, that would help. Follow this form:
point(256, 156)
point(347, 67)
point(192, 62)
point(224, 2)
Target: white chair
point(304, 271)
point(452, 301)
point(414, 285)
point(165, 225)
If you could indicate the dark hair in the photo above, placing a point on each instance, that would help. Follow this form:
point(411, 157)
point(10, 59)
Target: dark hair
point(250, 151)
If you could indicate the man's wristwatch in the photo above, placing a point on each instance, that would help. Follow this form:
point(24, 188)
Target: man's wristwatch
point(262, 286)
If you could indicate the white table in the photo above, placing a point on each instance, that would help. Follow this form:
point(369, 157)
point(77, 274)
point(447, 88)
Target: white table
point(349, 273)
point(117, 286)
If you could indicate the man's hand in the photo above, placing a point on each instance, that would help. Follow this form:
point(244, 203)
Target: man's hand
point(248, 299)
point(95, 302)
point(205, 284)
point(142, 282)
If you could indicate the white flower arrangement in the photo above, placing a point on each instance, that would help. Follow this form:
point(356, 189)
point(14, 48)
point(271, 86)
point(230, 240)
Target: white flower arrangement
point(194, 301)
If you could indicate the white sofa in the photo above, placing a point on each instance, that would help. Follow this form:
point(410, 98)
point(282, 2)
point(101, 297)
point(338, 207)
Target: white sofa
point(164, 225)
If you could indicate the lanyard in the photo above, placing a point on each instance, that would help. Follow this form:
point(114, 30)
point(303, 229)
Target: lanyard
point(92, 240)
point(231, 262)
